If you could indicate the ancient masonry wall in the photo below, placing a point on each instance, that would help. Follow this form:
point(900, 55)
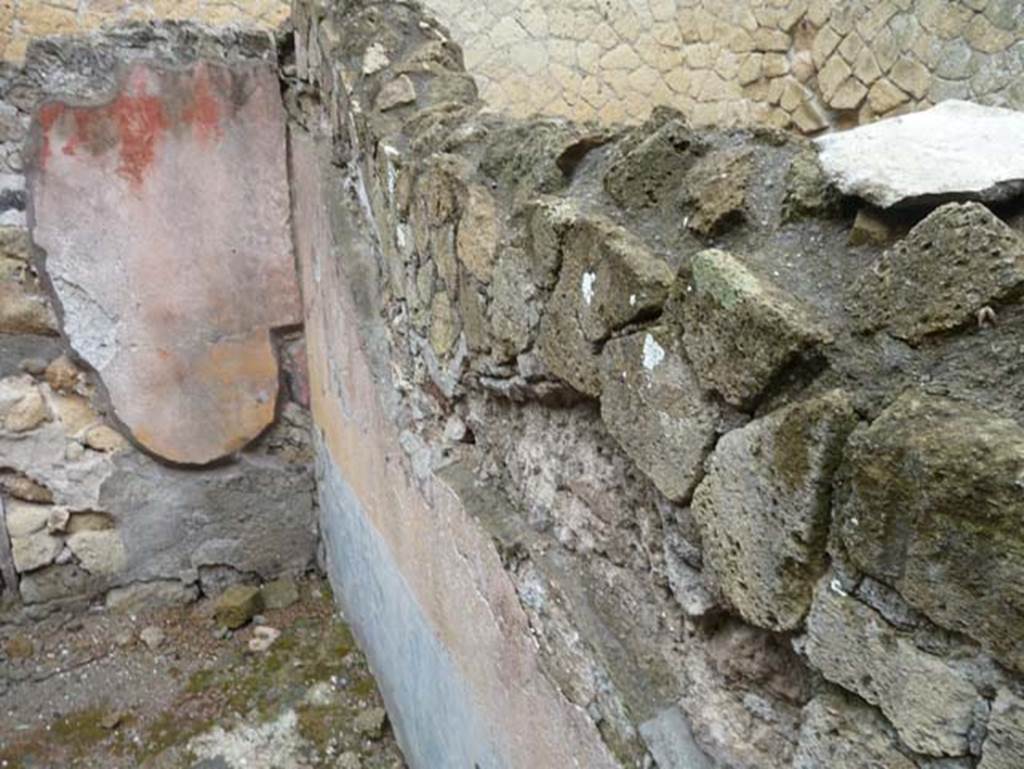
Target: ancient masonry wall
point(107, 491)
point(643, 446)
point(806, 64)
point(23, 20)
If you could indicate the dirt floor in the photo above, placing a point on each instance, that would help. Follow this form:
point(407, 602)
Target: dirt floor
point(169, 689)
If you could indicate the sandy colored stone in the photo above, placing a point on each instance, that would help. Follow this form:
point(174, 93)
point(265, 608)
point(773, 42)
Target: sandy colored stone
point(27, 414)
point(478, 233)
point(104, 438)
point(884, 96)
point(62, 375)
point(35, 550)
point(24, 518)
point(99, 551)
point(912, 76)
point(197, 279)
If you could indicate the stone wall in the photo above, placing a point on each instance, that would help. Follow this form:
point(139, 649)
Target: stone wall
point(23, 20)
point(645, 446)
point(123, 363)
point(805, 64)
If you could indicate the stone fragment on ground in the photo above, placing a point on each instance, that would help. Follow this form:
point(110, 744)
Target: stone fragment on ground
point(279, 594)
point(954, 151)
point(237, 605)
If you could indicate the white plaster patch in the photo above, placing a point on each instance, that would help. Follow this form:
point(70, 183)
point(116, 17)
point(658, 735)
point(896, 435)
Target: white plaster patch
point(375, 60)
point(654, 354)
point(632, 300)
point(587, 286)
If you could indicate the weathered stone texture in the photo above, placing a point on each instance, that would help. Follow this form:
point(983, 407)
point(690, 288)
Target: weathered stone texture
point(763, 508)
point(170, 293)
point(1004, 744)
point(655, 408)
point(934, 509)
point(739, 330)
point(930, 703)
point(959, 260)
point(840, 733)
point(608, 278)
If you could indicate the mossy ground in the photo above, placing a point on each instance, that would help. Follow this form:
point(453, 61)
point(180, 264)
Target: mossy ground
point(314, 669)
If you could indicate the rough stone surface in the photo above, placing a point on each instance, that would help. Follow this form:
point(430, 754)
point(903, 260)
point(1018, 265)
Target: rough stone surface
point(959, 260)
point(33, 551)
point(931, 704)
point(739, 330)
point(237, 605)
point(954, 150)
point(934, 508)
point(1004, 745)
point(654, 407)
point(171, 294)
point(99, 552)
point(716, 191)
point(279, 594)
point(838, 732)
point(763, 508)
point(608, 279)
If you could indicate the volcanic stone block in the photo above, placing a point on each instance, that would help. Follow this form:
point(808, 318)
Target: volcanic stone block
point(929, 701)
point(740, 330)
point(608, 279)
point(840, 732)
point(164, 216)
point(652, 170)
point(960, 259)
point(654, 407)
point(935, 155)
point(934, 509)
point(763, 508)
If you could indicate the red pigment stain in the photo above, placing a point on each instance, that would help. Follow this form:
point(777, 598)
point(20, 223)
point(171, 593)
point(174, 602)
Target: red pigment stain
point(140, 121)
point(48, 115)
point(204, 112)
point(135, 117)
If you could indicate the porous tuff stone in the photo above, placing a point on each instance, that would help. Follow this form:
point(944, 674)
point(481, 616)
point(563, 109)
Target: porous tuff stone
point(170, 289)
point(958, 260)
point(839, 732)
point(237, 605)
point(763, 509)
point(653, 169)
point(608, 279)
point(930, 702)
point(934, 508)
point(654, 407)
point(739, 330)
point(953, 151)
